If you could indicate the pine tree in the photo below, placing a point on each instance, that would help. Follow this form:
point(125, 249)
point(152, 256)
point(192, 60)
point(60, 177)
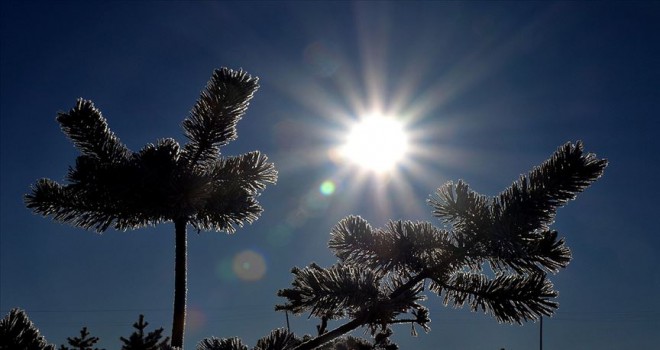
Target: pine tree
point(84, 342)
point(111, 186)
point(18, 332)
point(139, 341)
point(492, 254)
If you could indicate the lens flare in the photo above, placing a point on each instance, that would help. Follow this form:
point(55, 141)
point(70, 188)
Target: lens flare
point(196, 319)
point(249, 265)
point(321, 59)
point(225, 271)
point(327, 188)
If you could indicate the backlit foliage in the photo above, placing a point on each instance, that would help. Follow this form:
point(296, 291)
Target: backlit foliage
point(491, 254)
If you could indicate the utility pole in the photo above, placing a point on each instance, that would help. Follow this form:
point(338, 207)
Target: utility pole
point(288, 328)
point(541, 335)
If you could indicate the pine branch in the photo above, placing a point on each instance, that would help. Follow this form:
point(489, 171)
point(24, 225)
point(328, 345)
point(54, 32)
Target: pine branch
point(50, 198)
point(331, 335)
point(497, 231)
point(530, 204)
point(65, 204)
point(214, 343)
point(354, 240)
point(212, 121)
point(18, 332)
point(401, 246)
point(230, 196)
point(522, 214)
point(89, 131)
point(544, 251)
point(512, 230)
point(278, 339)
point(250, 171)
point(467, 211)
point(225, 209)
point(509, 298)
point(346, 343)
point(348, 290)
point(334, 291)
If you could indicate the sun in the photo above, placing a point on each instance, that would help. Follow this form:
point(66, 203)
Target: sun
point(376, 143)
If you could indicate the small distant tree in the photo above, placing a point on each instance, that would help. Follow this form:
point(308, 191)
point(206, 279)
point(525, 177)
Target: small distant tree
point(492, 254)
point(84, 342)
point(141, 341)
point(111, 186)
point(18, 332)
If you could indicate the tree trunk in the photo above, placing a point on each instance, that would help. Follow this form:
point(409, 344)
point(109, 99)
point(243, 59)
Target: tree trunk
point(180, 288)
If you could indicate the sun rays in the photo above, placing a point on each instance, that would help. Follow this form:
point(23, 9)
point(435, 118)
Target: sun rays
point(390, 168)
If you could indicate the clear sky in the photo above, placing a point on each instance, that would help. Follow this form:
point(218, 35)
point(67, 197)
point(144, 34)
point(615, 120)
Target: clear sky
point(486, 91)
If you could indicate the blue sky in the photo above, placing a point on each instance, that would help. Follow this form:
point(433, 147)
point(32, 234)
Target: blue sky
point(487, 90)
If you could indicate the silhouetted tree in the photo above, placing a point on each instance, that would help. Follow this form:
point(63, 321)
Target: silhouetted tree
point(111, 186)
point(84, 342)
point(139, 341)
point(18, 332)
point(493, 254)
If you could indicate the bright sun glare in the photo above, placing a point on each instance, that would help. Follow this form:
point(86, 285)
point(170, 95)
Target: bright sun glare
point(376, 143)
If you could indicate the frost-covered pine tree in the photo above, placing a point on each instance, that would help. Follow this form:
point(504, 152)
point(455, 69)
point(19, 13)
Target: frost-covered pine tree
point(18, 332)
point(491, 254)
point(111, 186)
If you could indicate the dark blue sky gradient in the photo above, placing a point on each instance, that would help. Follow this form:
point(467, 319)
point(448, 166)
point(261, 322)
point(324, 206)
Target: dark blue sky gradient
point(487, 89)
